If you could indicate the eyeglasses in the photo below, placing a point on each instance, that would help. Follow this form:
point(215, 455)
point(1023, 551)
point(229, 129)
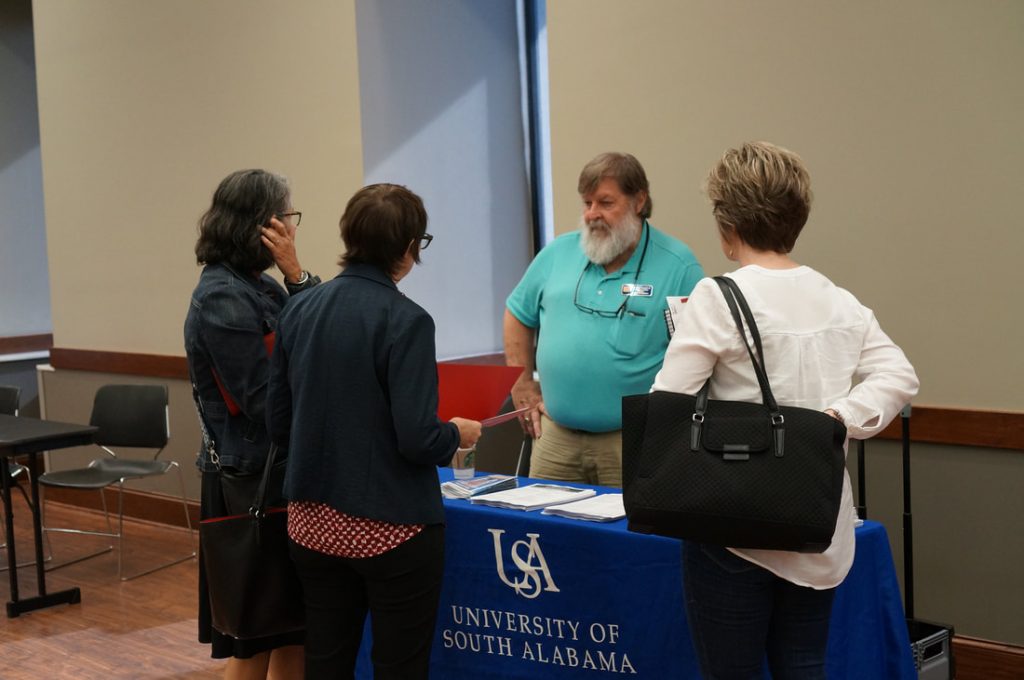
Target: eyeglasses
point(604, 313)
point(425, 240)
point(297, 215)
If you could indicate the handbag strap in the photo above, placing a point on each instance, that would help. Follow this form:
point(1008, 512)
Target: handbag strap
point(734, 298)
point(740, 310)
point(259, 505)
point(209, 446)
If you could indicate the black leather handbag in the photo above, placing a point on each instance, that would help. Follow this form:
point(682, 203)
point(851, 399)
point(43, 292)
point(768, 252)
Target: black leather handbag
point(737, 474)
point(254, 588)
point(239, 489)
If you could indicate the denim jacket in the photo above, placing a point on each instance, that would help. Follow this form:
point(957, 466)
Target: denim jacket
point(228, 317)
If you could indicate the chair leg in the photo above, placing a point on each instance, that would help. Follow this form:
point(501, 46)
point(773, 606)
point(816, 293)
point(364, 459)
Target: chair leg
point(184, 505)
point(178, 560)
point(65, 530)
point(120, 530)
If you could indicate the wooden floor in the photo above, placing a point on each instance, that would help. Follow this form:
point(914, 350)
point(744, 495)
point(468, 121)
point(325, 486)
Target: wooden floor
point(140, 629)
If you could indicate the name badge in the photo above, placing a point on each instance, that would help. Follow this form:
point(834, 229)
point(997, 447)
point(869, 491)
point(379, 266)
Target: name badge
point(638, 289)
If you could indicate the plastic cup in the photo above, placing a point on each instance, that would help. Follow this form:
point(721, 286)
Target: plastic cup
point(464, 463)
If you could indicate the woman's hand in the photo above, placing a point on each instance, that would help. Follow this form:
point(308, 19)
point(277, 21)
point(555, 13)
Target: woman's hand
point(835, 414)
point(280, 241)
point(469, 432)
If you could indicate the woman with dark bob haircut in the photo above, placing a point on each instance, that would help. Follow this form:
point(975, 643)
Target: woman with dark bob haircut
point(353, 396)
point(232, 315)
point(823, 350)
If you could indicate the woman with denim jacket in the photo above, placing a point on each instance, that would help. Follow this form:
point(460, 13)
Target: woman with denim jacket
point(229, 329)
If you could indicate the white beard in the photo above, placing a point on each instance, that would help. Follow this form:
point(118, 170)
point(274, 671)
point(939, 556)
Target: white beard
point(602, 242)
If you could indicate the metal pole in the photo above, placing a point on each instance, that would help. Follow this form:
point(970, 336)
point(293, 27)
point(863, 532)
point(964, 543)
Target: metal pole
point(908, 525)
point(862, 482)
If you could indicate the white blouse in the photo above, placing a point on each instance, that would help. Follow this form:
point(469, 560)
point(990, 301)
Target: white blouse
point(822, 349)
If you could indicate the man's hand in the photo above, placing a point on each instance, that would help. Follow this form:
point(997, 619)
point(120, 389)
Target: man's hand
point(526, 392)
point(519, 351)
point(280, 241)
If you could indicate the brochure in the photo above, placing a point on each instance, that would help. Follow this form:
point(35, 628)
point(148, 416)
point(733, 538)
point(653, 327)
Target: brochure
point(465, 488)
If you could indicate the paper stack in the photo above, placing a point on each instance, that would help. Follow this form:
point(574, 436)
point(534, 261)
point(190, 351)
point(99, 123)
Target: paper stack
point(607, 507)
point(466, 488)
point(533, 496)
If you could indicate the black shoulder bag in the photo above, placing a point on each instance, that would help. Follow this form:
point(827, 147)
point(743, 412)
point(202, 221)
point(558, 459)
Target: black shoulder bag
point(738, 474)
point(254, 588)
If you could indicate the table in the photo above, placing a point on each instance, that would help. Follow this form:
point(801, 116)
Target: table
point(527, 595)
point(28, 436)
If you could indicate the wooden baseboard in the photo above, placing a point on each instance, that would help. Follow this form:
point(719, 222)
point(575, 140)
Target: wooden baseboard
point(126, 363)
point(143, 505)
point(978, 659)
point(26, 343)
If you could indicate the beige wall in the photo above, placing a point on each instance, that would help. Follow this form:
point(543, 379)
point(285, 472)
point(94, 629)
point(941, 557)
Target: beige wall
point(910, 116)
point(144, 107)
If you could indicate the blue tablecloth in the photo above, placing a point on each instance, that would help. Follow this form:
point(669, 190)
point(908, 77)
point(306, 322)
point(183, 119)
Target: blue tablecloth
point(528, 595)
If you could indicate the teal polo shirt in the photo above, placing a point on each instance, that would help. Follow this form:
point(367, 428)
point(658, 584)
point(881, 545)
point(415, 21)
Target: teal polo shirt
point(588, 361)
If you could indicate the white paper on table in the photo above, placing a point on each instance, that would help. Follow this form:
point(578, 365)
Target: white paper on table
point(533, 496)
point(607, 507)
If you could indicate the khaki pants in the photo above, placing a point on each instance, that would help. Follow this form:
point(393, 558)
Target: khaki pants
point(569, 455)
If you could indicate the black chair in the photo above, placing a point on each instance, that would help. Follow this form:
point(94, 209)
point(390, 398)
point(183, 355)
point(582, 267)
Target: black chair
point(504, 449)
point(10, 401)
point(133, 416)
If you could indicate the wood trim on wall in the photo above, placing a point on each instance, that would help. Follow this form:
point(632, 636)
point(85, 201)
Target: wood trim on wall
point(26, 343)
point(144, 505)
point(928, 424)
point(977, 659)
point(149, 365)
point(964, 427)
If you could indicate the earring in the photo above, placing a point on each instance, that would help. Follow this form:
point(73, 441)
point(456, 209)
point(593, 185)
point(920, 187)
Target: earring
point(730, 253)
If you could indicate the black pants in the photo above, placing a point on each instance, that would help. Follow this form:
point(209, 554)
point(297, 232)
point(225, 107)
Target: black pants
point(400, 588)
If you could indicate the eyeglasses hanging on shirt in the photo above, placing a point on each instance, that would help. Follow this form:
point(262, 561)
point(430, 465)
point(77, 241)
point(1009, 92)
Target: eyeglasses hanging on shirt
point(622, 308)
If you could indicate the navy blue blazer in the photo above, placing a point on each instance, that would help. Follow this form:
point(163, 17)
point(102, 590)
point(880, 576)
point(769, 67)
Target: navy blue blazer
point(353, 396)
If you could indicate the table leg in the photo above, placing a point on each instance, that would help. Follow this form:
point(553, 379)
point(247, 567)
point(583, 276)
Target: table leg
point(17, 606)
point(37, 526)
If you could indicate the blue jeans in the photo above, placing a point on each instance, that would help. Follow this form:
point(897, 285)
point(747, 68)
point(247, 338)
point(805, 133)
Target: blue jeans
point(740, 613)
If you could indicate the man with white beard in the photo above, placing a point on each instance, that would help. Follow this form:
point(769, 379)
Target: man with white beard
point(588, 316)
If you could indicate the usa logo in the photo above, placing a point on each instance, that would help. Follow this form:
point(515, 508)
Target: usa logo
point(534, 575)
